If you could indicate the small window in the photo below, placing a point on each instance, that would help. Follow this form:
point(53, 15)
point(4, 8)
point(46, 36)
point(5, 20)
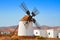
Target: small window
point(49, 33)
point(36, 32)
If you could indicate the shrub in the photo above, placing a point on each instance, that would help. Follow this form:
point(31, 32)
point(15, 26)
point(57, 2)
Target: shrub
point(14, 38)
point(40, 37)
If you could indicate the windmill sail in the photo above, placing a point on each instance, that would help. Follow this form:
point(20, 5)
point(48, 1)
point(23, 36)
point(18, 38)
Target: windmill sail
point(25, 9)
point(36, 23)
point(34, 12)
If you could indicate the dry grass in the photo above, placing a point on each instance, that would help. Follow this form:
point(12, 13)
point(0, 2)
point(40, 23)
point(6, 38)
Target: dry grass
point(18, 38)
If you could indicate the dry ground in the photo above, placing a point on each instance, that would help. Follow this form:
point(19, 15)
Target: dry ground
point(18, 38)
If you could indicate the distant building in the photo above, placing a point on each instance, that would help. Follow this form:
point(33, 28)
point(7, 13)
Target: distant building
point(4, 33)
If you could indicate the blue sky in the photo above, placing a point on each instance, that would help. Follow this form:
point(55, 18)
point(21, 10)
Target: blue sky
point(11, 13)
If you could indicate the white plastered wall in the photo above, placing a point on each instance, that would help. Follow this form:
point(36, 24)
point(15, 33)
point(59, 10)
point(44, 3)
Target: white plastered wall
point(25, 29)
point(41, 33)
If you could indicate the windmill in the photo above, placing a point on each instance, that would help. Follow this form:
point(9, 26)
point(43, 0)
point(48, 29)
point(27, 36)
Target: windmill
point(26, 23)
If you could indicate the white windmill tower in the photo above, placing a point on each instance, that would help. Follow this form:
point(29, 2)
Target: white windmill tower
point(26, 23)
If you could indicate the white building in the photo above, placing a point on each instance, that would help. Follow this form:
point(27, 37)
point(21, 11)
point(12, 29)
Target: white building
point(4, 33)
point(25, 29)
point(41, 33)
point(50, 33)
point(59, 35)
point(53, 33)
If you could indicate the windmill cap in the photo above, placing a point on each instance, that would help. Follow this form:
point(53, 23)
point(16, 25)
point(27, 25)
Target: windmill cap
point(24, 18)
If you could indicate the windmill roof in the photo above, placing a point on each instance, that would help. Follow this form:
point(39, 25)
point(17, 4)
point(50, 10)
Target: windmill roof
point(24, 18)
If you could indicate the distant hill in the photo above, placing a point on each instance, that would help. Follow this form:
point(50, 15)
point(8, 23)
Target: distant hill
point(12, 28)
point(9, 28)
